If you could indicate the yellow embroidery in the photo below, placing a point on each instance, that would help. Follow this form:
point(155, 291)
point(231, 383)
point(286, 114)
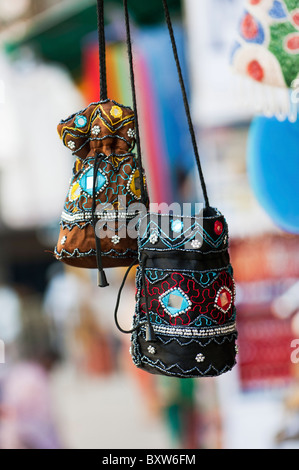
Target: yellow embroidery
point(78, 165)
point(75, 192)
point(134, 186)
point(116, 112)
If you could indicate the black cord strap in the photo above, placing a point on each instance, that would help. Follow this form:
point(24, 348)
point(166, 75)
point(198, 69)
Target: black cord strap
point(144, 198)
point(119, 296)
point(185, 99)
point(102, 280)
point(102, 50)
point(149, 332)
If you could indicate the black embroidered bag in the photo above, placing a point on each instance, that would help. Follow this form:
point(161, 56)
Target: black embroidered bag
point(185, 317)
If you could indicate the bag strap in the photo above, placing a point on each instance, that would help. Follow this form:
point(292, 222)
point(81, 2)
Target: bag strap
point(102, 50)
point(186, 103)
point(149, 331)
point(102, 280)
point(144, 197)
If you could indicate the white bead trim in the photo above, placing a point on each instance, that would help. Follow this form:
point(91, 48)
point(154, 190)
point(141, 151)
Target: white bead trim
point(195, 332)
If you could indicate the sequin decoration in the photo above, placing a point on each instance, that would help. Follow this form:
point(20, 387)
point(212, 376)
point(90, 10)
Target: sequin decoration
point(75, 191)
point(96, 130)
point(218, 227)
point(115, 239)
point(116, 112)
point(200, 357)
point(86, 182)
point(63, 240)
point(151, 350)
point(154, 237)
point(175, 302)
point(71, 145)
point(196, 243)
point(177, 226)
point(133, 185)
point(224, 299)
point(80, 121)
point(131, 133)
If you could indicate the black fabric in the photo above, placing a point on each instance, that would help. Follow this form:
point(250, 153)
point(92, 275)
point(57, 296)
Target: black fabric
point(188, 297)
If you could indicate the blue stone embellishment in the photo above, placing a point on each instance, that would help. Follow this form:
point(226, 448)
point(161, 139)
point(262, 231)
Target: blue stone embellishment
point(177, 226)
point(80, 121)
point(175, 302)
point(86, 182)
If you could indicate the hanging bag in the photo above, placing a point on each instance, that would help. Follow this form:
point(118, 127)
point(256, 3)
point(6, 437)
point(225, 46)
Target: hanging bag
point(185, 318)
point(107, 179)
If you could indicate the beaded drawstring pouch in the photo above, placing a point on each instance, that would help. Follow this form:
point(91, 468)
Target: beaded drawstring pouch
point(107, 180)
point(184, 323)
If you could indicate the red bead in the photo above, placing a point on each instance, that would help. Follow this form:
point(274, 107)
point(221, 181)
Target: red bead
point(218, 227)
point(224, 299)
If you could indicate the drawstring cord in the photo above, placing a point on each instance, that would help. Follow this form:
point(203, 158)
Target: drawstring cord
point(185, 100)
point(102, 280)
point(149, 333)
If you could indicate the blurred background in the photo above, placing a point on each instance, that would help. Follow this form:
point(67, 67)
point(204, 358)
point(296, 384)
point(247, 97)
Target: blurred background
point(67, 380)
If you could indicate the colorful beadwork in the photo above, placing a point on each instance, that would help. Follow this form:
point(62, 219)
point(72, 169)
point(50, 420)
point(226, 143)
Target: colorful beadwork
point(86, 181)
point(116, 112)
point(223, 300)
point(80, 121)
point(177, 226)
point(218, 227)
point(187, 295)
point(175, 302)
point(103, 130)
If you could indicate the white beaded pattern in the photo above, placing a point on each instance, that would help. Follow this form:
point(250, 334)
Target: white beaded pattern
point(193, 332)
point(200, 357)
point(71, 144)
point(95, 130)
point(115, 239)
point(151, 350)
point(153, 238)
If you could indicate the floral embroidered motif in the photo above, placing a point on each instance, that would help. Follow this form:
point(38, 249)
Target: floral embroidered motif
point(71, 145)
point(200, 357)
point(154, 237)
point(96, 130)
point(115, 239)
point(80, 121)
point(116, 112)
point(131, 133)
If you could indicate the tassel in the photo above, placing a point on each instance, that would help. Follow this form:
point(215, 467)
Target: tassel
point(149, 333)
point(102, 280)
